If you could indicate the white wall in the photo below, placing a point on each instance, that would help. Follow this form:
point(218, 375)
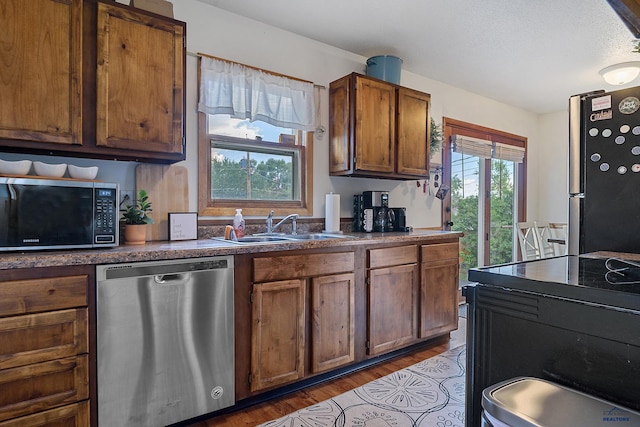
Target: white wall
point(553, 175)
point(219, 33)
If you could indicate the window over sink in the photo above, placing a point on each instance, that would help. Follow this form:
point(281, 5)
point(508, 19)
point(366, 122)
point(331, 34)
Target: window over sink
point(255, 140)
point(254, 166)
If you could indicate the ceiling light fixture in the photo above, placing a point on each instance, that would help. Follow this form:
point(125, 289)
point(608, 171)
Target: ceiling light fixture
point(622, 73)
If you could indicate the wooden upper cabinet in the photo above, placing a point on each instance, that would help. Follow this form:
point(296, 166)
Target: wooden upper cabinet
point(377, 129)
point(340, 147)
point(140, 81)
point(374, 126)
point(413, 132)
point(40, 76)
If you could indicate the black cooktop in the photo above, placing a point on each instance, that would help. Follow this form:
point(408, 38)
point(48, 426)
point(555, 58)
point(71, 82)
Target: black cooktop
point(607, 281)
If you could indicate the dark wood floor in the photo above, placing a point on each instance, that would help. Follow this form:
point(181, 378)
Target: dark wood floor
point(285, 405)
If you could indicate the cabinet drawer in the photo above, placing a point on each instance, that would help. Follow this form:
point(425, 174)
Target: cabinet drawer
point(299, 266)
point(32, 296)
point(76, 415)
point(387, 257)
point(40, 337)
point(34, 388)
point(440, 251)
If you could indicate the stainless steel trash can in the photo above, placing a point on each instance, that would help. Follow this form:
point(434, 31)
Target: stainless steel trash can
point(533, 402)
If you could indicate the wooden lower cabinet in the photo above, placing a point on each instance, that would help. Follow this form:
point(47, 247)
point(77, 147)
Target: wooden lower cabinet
point(309, 315)
point(44, 348)
point(40, 337)
point(75, 415)
point(28, 389)
point(332, 321)
point(392, 280)
point(297, 303)
point(439, 289)
point(277, 334)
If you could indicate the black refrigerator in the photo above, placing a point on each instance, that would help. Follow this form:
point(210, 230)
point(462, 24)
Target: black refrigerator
point(604, 172)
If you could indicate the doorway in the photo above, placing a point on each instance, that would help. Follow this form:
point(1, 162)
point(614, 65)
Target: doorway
point(485, 170)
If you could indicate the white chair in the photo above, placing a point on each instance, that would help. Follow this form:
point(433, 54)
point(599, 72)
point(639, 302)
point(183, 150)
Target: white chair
point(528, 241)
point(559, 235)
point(543, 234)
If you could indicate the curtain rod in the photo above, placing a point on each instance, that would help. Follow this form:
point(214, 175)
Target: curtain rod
point(253, 68)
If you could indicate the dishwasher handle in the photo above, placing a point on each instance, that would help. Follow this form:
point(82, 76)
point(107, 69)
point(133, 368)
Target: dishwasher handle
point(171, 279)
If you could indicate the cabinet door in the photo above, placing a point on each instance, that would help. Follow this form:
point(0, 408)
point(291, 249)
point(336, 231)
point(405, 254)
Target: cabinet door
point(438, 297)
point(41, 66)
point(33, 388)
point(340, 147)
point(139, 81)
point(392, 307)
point(333, 321)
point(75, 415)
point(375, 124)
point(33, 295)
point(277, 334)
point(413, 132)
point(40, 337)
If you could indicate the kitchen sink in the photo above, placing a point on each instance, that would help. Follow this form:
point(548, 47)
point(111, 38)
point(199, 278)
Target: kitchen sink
point(261, 239)
point(279, 238)
point(317, 236)
point(252, 240)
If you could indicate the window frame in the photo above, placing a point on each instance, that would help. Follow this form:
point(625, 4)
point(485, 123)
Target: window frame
point(227, 207)
point(457, 127)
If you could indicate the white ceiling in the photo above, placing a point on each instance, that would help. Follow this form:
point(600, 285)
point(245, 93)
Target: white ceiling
point(533, 54)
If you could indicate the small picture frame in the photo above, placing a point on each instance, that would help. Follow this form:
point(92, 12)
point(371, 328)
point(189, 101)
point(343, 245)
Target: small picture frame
point(183, 225)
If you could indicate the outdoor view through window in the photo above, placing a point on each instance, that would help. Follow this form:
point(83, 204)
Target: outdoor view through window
point(253, 160)
point(489, 234)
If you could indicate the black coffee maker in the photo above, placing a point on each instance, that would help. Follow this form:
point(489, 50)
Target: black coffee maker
point(371, 212)
point(383, 215)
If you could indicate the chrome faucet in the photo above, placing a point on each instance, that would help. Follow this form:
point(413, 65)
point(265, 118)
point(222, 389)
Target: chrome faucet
point(271, 228)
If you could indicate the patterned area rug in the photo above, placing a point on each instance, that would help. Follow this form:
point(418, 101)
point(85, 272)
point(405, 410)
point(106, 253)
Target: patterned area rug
point(427, 394)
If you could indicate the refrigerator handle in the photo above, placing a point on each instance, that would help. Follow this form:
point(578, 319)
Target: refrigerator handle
point(575, 166)
point(573, 233)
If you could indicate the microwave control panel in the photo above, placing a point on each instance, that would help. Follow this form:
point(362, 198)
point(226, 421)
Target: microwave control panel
point(106, 215)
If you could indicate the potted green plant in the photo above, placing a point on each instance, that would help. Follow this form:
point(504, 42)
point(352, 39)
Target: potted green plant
point(436, 138)
point(136, 217)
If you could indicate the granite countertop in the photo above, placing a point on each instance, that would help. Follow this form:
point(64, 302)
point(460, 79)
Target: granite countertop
point(584, 278)
point(152, 251)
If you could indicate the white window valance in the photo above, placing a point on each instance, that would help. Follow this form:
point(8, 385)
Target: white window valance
point(248, 93)
point(487, 149)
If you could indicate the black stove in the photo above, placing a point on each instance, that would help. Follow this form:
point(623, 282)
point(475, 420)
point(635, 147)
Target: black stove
point(570, 320)
point(609, 281)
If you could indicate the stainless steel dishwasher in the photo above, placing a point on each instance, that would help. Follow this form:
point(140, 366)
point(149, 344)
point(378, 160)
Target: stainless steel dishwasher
point(165, 340)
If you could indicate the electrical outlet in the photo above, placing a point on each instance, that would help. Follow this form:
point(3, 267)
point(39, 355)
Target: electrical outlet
point(126, 198)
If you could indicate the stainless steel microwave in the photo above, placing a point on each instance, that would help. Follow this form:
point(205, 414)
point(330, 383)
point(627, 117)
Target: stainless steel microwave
point(40, 214)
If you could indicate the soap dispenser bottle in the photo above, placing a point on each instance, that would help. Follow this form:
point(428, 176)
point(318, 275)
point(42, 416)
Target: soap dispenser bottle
point(238, 223)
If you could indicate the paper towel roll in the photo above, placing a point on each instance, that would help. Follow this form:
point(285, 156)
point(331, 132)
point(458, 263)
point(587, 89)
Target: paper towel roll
point(332, 213)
